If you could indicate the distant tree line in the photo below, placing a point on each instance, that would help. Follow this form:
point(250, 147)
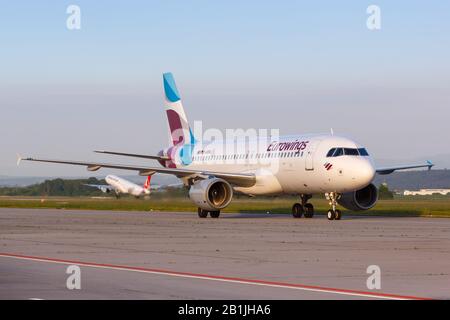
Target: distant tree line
point(56, 187)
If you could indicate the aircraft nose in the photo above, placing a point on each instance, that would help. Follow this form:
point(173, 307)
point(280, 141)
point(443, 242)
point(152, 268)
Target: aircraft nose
point(361, 173)
point(365, 172)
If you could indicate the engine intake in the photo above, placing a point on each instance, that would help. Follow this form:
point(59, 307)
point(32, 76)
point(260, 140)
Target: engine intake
point(359, 200)
point(211, 194)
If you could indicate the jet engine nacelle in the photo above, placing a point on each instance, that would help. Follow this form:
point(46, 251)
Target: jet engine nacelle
point(359, 200)
point(211, 194)
point(105, 190)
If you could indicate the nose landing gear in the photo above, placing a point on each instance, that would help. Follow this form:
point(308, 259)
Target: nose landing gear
point(333, 213)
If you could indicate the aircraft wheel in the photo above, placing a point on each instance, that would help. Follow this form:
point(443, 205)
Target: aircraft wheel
point(338, 215)
point(309, 210)
point(331, 215)
point(202, 213)
point(214, 214)
point(297, 210)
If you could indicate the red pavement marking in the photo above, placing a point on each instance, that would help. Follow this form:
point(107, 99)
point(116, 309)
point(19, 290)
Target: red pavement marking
point(219, 278)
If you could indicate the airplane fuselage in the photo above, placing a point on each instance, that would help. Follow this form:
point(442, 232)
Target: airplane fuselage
point(124, 186)
point(290, 164)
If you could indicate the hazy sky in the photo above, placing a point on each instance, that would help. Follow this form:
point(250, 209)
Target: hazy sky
point(293, 65)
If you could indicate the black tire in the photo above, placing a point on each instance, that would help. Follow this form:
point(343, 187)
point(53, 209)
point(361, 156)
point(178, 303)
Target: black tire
point(331, 215)
point(202, 213)
point(297, 210)
point(309, 210)
point(214, 214)
point(338, 215)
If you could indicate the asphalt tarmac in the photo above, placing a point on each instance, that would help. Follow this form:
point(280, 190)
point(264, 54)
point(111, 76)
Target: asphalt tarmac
point(165, 255)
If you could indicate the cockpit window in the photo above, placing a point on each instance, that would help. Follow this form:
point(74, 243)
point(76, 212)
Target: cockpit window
point(363, 152)
point(337, 152)
point(351, 152)
point(330, 153)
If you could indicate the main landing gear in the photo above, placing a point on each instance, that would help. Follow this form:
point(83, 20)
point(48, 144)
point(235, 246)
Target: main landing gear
point(204, 213)
point(333, 213)
point(305, 208)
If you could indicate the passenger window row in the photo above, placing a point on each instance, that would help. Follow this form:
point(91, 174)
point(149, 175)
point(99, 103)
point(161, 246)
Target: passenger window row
point(248, 156)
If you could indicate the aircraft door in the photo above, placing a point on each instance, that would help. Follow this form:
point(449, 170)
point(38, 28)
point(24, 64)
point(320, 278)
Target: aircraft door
point(309, 157)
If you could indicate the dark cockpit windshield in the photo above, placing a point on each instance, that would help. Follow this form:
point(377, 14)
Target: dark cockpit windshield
point(337, 152)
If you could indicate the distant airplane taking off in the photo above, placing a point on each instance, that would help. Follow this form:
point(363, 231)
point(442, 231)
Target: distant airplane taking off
point(302, 165)
point(120, 185)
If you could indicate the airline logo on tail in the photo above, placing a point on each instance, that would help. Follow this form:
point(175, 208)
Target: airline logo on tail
point(180, 132)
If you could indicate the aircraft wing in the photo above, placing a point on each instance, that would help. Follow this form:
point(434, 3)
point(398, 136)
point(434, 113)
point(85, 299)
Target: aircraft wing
point(389, 170)
point(102, 187)
point(132, 155)
point(239, 179)
point(166, 186)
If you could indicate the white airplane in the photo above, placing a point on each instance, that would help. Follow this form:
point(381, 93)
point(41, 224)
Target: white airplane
point(120, 185)
point(302, 165)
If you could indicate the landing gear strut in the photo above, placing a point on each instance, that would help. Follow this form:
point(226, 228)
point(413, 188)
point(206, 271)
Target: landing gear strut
point(333, 213)
point(204, 213)
point(305, 208)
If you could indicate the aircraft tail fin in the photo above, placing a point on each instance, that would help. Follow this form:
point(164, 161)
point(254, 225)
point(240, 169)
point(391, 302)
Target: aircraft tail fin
point(147, 183)
point(180, 132)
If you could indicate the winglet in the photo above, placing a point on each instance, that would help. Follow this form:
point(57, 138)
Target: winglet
point(19, 159)
point(430, 164)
